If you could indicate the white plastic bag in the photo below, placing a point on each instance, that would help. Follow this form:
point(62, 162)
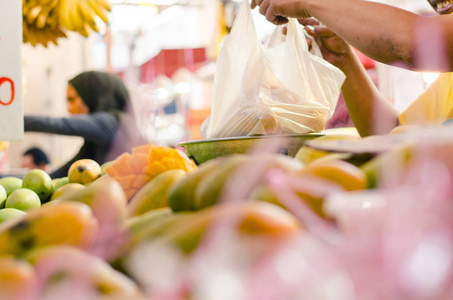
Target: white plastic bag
point(258, 90)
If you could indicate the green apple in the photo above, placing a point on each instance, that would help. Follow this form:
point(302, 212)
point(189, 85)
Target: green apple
point(23, 199)
point(10, 213)
point(10, 183)
point(59, 182)
point(40, 182)
point(3, 196)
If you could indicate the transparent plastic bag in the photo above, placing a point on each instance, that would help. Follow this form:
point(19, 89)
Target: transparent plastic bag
point(277, 89)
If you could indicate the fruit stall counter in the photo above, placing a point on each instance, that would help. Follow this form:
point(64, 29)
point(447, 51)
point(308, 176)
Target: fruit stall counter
point(152, 224)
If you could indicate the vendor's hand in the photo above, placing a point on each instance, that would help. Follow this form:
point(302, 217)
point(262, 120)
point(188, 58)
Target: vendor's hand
point(278, 11)
point(333, 48)
point(309, 40)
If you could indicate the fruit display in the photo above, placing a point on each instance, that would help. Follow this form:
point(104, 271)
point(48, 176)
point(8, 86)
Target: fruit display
point(46, 21)
point(134, 170)
point(245, 226)
point(84, 171)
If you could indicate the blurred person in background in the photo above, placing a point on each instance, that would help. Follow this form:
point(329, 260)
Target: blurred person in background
point(387, 34)
point(35, 158)
point(98, 103)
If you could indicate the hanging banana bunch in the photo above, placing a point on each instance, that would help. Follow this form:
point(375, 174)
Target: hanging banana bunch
point(80, 15)
point(45, 21)
point(40, 22)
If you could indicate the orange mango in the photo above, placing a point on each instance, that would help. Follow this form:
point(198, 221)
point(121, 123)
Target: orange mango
point(134, 170)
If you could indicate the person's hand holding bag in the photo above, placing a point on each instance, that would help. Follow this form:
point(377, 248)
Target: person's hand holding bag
point(278, 11)
point(333, 48)
point(259, 90)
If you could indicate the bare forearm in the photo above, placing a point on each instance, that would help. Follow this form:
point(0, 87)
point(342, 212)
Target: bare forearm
point(382, 32)
point(369, 110)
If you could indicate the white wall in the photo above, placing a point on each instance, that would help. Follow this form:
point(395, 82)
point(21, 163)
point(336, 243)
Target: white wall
point(45, 73)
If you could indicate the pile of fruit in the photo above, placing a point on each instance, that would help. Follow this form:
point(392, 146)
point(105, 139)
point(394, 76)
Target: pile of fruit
point(153, 225)
point(45, 21)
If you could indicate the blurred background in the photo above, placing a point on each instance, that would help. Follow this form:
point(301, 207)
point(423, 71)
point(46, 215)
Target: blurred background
point(165, 50)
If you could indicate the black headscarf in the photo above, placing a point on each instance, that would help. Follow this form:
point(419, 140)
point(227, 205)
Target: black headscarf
point(101, 91)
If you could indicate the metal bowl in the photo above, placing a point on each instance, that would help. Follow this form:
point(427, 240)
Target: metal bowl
point(204, 150)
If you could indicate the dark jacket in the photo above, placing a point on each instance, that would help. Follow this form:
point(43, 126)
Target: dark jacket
point(98, 131)
point(107, 98)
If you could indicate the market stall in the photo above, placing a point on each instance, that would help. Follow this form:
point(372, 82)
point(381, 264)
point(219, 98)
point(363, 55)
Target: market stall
point(266, 203)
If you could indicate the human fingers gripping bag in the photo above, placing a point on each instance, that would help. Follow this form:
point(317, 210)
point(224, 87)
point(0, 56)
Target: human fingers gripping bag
point(275, 89)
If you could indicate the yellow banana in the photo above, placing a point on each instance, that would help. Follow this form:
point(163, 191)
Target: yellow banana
point(41, 20)
point(94, 27)
point(154, 194)
point(87, 13)
point(75, 18)
point(25, 32)
point(48, 2)
point(41, 37)
point(33, 14)
point(25, 8)
point(68, 223)
point(52, 19)
point(32, 39)
point(83, 31)
point(105, 4)
point(60, 33)
point(100, 12)
point(52, 37)
point(63, 17)
point(96, 277)
point(64, 9)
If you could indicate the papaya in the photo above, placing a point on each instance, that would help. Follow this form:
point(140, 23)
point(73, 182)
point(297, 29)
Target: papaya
point(395, 160)
point(308, 154)
point(265, 193)
point(144, 228)
point(211, 186)
point(349, 176)
point(181, 194)
point(209, 189)
point(107, 201)
point(150, 224)
point(70, 223)
point(331, 174)
point(67, 188)
point(18, 279)
point(251, 218)
point(154, 194)
point(134, 170)
point(57, 266)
